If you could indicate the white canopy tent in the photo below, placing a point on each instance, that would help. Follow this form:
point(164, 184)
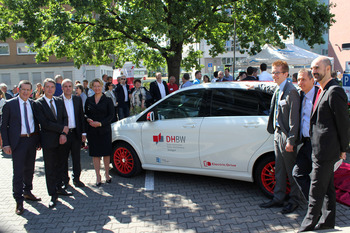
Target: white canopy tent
point(292, 54)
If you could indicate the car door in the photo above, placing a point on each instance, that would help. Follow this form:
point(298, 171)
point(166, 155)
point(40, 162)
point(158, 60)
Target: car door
point(235, 129)
point(173, 138)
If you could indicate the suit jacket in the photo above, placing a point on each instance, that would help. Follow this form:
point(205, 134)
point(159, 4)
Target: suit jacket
point(330, 123)
point(120, 95)
point(50, 127)
point(288, 113)
point(78, 115)
point(155, 92)
point(11, 122)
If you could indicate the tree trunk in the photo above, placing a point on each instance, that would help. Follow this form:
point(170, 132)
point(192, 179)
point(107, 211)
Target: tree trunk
point(174, 63)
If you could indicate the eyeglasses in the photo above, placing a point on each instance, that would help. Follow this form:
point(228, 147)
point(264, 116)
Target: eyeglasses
point(123, 79)
point(277, 73)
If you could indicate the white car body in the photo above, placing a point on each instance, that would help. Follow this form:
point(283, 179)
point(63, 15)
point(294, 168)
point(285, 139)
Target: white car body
point(220, 146)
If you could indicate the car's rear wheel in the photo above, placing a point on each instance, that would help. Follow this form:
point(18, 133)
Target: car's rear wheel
point(265, 176)
point(125, 160)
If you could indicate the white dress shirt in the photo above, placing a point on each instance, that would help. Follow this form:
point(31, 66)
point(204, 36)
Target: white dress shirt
point(30, 117)
point(53, 102)
point(126, 94)
point(70, 111)
point(306, 108)
point(161, 89)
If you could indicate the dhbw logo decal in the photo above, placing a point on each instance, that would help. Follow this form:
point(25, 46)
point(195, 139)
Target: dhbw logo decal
point(158, 138)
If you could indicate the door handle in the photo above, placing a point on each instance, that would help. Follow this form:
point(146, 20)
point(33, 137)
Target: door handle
point(251, 124)
point(189, 126)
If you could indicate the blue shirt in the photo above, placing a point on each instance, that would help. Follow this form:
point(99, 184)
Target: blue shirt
point(58, 90)
point(186, 84)
point(196, 81)
point(306, 108)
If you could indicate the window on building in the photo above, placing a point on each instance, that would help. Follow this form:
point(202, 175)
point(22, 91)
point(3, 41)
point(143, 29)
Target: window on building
point(49, 75)
point(4, 49)
point(36, 77)
point(90, 75)
point(23, 49)
point(6, 78)
point(68, 74)
point(229, 46)
point(23, 76)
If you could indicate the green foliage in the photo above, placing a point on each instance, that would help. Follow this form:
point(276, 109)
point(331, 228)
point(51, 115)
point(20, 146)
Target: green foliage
point(88, 31)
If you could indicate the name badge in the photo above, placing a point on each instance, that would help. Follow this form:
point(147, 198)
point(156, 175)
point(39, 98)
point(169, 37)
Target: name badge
point(283, 102)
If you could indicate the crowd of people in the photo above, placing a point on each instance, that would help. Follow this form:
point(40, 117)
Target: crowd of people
point(58, 121)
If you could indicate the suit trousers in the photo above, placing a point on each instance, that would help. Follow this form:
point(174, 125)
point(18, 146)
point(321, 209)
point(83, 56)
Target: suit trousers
point(322, 197)
point(72, 146)
point(123, 111)
point(302, 168)
point(23, 160)
point(53, 160)
point(284, 163)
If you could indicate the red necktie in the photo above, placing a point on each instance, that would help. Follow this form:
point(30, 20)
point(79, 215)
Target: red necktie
point(317, 96)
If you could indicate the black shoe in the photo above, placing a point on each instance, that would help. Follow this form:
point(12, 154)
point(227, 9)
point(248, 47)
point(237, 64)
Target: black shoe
point(64, 192)
point(322, 227)
point(30, 196)
point(78, 183)
point(98, 184)
point(289, 208)
point(109, 181)
point(270, 204)
point(19, 208)
point(53, 201)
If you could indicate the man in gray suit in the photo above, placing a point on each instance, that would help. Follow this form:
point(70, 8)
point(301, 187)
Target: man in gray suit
point(284, 124)
point(329, 124)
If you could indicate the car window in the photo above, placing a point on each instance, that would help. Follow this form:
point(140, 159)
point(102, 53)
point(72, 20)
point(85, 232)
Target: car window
point(181, 105)
point(237, 102)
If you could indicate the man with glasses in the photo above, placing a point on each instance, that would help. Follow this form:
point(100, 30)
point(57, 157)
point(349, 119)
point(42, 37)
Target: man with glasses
point(122, 92)
point(284, 124)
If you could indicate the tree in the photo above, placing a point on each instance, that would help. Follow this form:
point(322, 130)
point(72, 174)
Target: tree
point(88, 31)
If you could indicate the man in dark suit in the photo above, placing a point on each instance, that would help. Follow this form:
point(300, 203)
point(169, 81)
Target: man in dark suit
point(122, 92)
point(329, 140)
point(20, 135)
point(251, 74)
point(76, 134)
point(303, 166)
point(284, 124)
point(158, 89)
point(52, 116)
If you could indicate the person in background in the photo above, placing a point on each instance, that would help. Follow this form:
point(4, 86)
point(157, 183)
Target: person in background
point(251, 74)
point(158, 88)
point(3, 87)
point(110, 93)
point(264, 75)
point(2, 103)
point(104, 79)
point(20, 134)
point(172, 86)
point(186, 80)
point(58, 80)
point(241, 76)
point(110, 79)
point(79, 91)
point(76, 82)
point(14, 91)
point(99, 112)
point(122, 92)
point(206, 79)
point(197, 77)
point(295, 77)
point(215, 74)
point(90, 92)
point(138, 98)
point(221, 77)
point(227, 76)
point(86, 86)
point(38, 92)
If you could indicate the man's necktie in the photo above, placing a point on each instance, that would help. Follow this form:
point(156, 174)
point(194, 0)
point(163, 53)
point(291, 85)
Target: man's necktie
point(26, 117)
point(276, 109)
point(53, 109)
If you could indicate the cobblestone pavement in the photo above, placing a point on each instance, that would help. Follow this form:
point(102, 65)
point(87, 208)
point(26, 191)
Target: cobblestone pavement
point(178, 203)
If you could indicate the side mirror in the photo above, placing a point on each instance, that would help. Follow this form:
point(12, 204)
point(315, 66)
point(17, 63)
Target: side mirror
point(150, 116)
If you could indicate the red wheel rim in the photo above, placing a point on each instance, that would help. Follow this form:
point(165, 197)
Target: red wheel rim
point(268, 178)
point(123, 160)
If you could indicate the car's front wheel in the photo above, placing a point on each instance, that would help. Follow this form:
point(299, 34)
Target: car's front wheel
point(125, 160)
point(265, 176)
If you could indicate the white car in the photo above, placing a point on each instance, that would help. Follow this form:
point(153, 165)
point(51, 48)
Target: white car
point(216, 129)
